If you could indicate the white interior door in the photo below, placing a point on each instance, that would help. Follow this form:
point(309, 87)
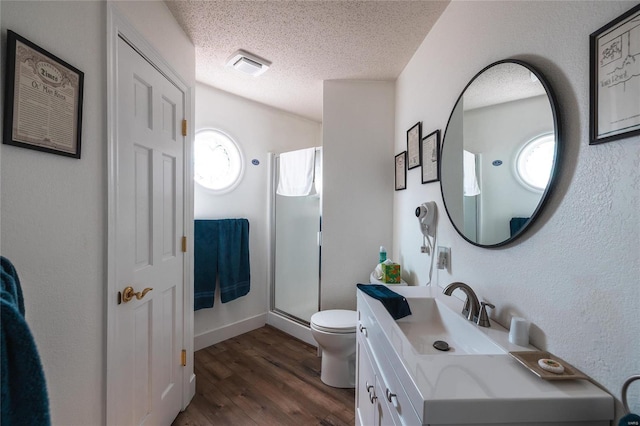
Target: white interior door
point(149, 217)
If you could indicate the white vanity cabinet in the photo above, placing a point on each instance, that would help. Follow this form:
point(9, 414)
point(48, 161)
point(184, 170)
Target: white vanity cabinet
point(365, 387)
point(399, 385)
point(371, 408)
point(380, 398)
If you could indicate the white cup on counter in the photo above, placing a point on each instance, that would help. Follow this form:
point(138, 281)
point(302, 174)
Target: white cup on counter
point(519, 331)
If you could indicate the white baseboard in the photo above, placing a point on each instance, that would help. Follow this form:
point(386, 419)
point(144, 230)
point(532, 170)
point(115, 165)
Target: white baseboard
point(192, 388)
point(227, 332)
point(292, 328)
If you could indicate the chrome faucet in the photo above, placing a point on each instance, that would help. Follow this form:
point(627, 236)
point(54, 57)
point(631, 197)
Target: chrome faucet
point(471, 308)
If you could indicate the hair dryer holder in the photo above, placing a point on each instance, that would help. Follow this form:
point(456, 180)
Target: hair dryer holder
point(629, 418)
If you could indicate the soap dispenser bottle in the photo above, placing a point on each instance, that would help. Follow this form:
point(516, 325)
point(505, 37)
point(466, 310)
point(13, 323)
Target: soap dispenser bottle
point(383, 254)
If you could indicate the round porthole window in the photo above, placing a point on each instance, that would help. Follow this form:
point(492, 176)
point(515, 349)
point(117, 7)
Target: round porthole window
point(218, 164)
point(534, 161)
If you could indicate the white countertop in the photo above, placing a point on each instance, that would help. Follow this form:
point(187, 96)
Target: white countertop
point(487, 388)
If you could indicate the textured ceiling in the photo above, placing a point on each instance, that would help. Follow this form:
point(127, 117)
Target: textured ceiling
point(307, 42)
point(502, 83)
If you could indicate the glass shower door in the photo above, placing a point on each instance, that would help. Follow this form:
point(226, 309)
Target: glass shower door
point(296, 287)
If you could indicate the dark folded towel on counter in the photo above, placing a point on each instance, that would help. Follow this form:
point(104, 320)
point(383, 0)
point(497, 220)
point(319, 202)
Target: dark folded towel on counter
point(395, 303)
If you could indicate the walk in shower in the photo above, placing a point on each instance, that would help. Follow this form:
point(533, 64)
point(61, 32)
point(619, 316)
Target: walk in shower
point(296, 223)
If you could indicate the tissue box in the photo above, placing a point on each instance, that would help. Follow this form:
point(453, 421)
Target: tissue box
point(390, 273)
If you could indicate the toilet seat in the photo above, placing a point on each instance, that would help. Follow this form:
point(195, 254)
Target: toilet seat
point(339, 321)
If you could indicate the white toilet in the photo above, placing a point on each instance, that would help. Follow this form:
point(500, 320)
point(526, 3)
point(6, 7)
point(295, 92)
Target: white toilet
point(335, 332)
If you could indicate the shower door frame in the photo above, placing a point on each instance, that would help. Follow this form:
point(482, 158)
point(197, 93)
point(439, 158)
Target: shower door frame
point(273, 184)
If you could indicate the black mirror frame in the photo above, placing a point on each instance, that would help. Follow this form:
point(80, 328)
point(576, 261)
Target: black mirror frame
point(555, 111)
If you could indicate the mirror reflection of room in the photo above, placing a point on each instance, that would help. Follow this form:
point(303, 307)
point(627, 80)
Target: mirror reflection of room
point(498, 154)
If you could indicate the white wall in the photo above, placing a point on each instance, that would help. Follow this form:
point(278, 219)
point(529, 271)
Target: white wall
point(258, 130)
point(576, 274)
point(54, 208)
point(152, 19)
point(2, 82)
point(358, 185)
point(53, 217)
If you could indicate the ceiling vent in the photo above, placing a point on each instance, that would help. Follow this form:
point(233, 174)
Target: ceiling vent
point(248, 63)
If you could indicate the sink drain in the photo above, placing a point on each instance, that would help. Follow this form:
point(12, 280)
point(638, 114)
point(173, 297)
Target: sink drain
point(441, 345)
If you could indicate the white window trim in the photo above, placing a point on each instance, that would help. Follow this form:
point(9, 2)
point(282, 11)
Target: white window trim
point(240, 176)
point(516, 170)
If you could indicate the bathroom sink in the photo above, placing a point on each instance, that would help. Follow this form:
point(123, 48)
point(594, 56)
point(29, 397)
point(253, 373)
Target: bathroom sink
point(433, 321)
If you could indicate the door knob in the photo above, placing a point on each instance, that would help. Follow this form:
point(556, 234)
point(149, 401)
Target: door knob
point(128, 293)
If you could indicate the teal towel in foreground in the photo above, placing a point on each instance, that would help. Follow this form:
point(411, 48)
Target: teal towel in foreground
point(24, 389)
point(396, 304)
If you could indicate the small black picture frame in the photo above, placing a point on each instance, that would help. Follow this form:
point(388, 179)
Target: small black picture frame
point(43, 100)
point(614, 79)
point(414, 135)
point(401, 171)
point(430, 157)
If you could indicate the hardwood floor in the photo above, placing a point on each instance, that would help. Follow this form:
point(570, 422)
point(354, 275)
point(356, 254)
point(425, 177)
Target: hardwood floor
point(264, 377)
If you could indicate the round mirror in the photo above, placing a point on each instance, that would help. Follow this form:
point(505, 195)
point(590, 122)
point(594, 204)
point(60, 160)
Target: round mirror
point(500, 153)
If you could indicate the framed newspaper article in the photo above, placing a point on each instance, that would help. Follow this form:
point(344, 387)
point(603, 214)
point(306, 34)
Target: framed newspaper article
point(615, 79)
point(401, 171)
point(414, 135)
point(43, 100)
point(430, 153)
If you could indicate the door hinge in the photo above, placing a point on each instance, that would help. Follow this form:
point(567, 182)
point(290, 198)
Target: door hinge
point(184, 244)
point(184, 357)
point(184, 127)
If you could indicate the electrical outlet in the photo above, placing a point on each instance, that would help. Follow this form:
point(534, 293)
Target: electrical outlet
point(444, 258)
point(424, 249)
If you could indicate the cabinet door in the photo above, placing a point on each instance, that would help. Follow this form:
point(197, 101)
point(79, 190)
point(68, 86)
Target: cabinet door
point(365, 387)
point(384, 417)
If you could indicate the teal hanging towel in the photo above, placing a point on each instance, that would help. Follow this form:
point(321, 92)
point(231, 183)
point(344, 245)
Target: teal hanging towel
point(221, 254)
